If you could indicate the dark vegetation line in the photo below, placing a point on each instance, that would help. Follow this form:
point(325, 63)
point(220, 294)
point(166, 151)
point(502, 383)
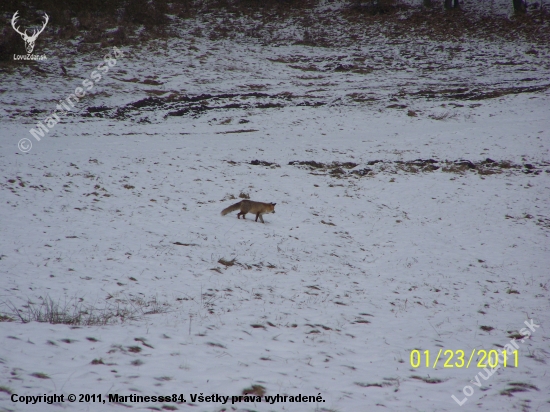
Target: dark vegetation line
point(123, 22)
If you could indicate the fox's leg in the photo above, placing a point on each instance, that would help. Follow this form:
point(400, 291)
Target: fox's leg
point(243, 214)
point(258, 215)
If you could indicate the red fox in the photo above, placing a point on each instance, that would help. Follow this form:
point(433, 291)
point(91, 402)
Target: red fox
point(249, 206)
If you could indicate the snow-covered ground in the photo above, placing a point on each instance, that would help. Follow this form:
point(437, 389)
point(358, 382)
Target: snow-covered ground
point(117, 208)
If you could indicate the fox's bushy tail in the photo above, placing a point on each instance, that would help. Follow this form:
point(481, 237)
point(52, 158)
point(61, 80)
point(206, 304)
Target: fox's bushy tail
point(231, 208)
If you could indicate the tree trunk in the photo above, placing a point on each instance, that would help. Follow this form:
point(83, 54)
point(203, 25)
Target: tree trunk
point(448, 4)
point(427, 3)
point(455, 4)
point(519, 6)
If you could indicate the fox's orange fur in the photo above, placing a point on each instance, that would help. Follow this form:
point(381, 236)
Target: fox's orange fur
point(249, 206)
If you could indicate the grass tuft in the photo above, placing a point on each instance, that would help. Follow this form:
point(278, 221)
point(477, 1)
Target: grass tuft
point(226, 262)
point(257, 390)
point(427, 379)
point(76, 313)
point(40, 375)
point(5, 389)
point(5, 318)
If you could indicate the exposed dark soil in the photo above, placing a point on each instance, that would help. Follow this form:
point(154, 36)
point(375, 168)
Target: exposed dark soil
point(195, 106)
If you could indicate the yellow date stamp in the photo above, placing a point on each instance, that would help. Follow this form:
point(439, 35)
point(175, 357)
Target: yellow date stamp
point(461, 359)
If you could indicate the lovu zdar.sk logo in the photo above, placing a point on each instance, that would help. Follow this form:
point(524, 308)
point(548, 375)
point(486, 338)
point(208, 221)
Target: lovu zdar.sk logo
point(29, 40)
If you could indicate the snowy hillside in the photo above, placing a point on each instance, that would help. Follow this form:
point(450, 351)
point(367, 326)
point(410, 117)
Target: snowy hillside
point(412, 182)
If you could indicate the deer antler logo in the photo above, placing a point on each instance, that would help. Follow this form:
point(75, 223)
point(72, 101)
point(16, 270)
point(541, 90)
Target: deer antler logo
point(29, 40)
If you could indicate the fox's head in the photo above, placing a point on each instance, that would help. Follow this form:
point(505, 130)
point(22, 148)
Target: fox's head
point(272, 207)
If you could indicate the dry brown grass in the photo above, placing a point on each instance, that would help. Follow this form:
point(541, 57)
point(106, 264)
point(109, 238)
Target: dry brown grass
point(257, 390)
point(75, 312)
point(454, 168)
